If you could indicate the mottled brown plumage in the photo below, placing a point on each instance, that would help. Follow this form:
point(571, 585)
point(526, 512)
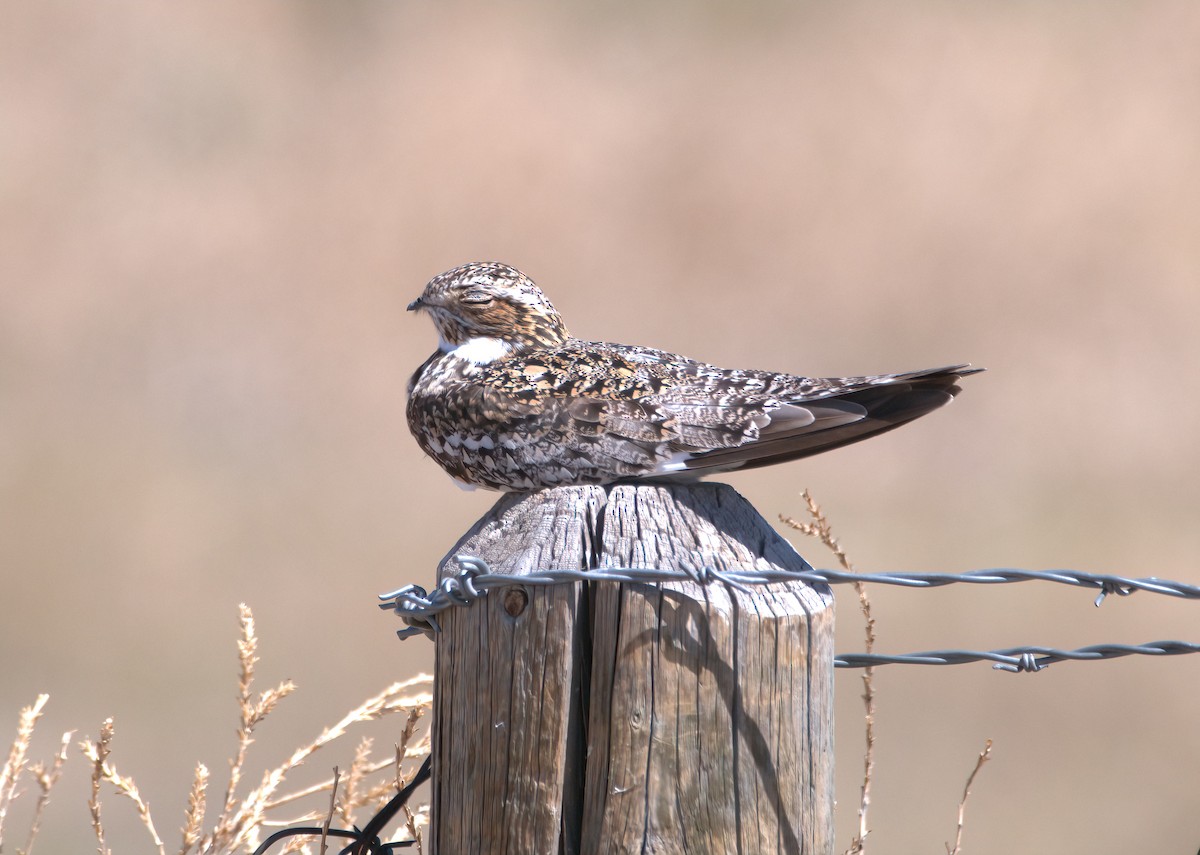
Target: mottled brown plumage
point(510, 401)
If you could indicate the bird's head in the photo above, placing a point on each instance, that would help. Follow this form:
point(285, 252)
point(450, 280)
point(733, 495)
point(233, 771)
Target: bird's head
point(486, 310)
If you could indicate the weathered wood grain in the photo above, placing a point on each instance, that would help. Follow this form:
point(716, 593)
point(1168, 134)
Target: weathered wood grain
point(708, 727)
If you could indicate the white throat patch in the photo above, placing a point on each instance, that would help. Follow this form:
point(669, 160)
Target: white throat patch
point(479, 350)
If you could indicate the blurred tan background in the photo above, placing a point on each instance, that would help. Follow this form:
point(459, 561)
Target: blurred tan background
point(213, 216)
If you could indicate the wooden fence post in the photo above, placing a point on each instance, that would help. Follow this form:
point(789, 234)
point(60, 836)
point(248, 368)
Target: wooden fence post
point(629, 718)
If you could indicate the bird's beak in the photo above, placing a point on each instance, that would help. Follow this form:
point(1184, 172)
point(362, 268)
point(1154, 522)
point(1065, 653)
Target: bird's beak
point(416, 304)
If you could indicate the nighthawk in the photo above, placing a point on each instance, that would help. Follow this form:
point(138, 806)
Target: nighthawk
point(510, 401)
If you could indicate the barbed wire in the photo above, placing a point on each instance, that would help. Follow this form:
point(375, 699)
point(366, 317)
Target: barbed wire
point(419, 608)
point(1017, 659)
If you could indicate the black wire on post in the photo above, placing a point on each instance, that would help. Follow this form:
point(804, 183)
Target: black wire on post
point(368, 839)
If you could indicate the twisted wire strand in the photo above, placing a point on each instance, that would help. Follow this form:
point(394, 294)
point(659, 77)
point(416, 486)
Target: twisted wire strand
point(1017, 659)
point(419, 608)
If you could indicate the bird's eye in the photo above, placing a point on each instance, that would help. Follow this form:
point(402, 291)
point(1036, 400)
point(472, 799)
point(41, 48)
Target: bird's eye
point(477, 298)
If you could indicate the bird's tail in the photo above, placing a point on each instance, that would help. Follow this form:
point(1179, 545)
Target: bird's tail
point(849, 414)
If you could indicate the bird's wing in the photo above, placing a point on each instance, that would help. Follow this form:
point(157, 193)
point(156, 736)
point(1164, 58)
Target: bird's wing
point(628, 411)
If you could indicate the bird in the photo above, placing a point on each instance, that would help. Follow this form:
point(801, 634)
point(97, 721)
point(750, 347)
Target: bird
point(510, 401)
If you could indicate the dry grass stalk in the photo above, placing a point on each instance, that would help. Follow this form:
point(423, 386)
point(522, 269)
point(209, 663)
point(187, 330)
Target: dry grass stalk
point(242, 820)
point(358, 768)
point(240, 823)
point(295, 844)
point(102, 750)
point(984, 756)
point(413, 821)
point(98, 752)
point(193, 821)
point(10, 775)
point(46, 779)
point(821, 529)
point(420, 749)
point(329, 815)
point(251, 713)
point(235, 828)
point(376, 794)
point(413, 824)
